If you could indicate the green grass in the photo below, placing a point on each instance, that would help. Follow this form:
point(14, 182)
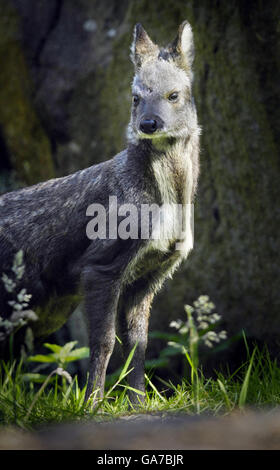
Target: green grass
point(29, 398)
point(26, 404)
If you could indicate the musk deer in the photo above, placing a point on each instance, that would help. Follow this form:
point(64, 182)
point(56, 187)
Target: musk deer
point(114, 270)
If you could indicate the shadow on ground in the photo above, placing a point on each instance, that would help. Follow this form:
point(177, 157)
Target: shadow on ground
point(251, 431)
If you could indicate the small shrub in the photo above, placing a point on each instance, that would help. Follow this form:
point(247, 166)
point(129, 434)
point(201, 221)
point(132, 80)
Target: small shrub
point(198, 328)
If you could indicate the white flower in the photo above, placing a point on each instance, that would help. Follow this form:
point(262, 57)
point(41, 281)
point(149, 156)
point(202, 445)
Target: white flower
point(223, 334)
point(9, 284)
point(184, 329)
point(23, 297)
point(176, 324)
point(202, 325)
point(24, 314)
point(188, 309)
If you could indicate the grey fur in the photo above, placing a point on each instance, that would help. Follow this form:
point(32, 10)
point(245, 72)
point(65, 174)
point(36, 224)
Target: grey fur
point(113, 276)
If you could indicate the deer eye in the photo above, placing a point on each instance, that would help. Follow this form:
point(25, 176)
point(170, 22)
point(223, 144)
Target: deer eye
point(135, 99)
point(173, 96)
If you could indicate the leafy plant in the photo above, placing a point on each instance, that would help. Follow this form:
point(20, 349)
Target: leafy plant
point(255, 383)
point(199, 328)
point(61, 355)
point(21, 313)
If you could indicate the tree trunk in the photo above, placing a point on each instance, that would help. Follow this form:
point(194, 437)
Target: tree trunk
point(77, 54)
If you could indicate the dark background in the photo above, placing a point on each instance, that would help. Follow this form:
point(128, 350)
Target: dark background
point(65, 78)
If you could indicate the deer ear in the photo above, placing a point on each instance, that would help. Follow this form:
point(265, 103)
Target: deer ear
point(182, 47)
point(142, 47)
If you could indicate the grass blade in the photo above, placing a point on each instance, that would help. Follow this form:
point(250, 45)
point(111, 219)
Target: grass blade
point(223, 389)
point(127, 362)
point(245, 385)
point(154, 388)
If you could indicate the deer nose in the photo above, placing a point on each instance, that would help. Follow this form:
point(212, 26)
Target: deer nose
point(148, 126)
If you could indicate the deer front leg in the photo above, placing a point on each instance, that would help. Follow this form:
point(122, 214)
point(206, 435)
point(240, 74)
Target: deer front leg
point(101, 299)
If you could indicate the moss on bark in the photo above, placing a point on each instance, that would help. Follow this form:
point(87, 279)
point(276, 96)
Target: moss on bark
point(26, 142)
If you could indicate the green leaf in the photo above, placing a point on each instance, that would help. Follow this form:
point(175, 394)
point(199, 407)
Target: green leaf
point(68, 347)
point(53, 347)
point(42, 358)
point(139, 392)
point(80, 353)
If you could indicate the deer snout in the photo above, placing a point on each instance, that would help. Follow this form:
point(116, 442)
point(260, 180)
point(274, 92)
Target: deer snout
point(149, 126)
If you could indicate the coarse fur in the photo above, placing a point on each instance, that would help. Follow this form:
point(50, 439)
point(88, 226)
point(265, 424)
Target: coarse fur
point(115, 278)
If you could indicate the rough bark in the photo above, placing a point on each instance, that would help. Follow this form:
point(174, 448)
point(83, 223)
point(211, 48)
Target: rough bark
point(25, 145)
